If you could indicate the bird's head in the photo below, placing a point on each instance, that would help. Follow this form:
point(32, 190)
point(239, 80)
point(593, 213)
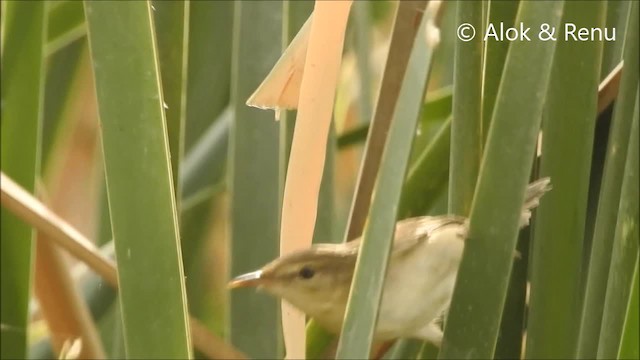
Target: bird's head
point(312, 280)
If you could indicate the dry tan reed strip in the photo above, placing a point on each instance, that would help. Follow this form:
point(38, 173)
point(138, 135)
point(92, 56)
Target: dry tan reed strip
point(404, 31)
point(211, 345)
point(608, 89)
point(308, 149)
point(32, 211)
point(66, 313)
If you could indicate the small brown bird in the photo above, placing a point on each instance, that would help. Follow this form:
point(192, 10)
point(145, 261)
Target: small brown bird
point(419, 283)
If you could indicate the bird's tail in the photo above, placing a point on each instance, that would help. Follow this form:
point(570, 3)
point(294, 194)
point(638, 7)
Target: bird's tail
point(532, 196)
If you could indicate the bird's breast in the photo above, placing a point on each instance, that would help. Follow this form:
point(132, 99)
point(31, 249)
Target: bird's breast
point(419, 284)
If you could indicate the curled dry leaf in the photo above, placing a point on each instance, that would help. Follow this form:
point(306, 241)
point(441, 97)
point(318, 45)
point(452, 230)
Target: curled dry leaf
point(281, 88)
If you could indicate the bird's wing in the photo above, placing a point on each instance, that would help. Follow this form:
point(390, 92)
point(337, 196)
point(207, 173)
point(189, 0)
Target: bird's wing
point(413, 231)
point(410, 232)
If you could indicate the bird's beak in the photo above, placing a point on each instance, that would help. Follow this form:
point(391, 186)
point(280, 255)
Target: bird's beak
point(247, 280)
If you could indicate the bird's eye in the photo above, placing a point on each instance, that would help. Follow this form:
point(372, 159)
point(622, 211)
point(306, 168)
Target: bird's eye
point(306, 272)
